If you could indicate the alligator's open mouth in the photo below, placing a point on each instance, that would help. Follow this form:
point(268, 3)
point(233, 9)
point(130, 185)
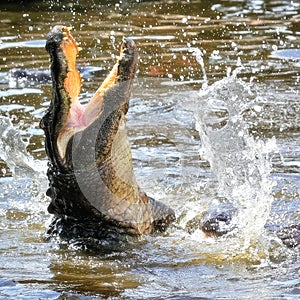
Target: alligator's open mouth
point(90, 164)
point(73, 116)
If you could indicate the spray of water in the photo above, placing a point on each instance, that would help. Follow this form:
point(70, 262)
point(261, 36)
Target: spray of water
point(23, 193)
point(13, 152)
point(240, 162)
point(199, 58)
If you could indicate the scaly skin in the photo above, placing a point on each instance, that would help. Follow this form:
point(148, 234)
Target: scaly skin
point(93, 190)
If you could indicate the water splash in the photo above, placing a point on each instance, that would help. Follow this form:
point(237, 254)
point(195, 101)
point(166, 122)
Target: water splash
point(22, 198)
point(13, 152)
point(199, 58)
point(240, 162)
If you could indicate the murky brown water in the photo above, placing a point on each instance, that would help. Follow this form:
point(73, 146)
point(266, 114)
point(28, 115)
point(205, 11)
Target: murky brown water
point(258, 40)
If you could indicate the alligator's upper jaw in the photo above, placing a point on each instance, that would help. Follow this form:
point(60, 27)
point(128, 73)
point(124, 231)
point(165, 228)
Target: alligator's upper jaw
point(91, 169)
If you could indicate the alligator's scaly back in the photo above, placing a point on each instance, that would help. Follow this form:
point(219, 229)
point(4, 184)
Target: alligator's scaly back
point(90, 164)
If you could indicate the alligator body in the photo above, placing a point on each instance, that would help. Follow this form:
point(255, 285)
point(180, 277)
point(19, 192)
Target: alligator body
point(92, 186)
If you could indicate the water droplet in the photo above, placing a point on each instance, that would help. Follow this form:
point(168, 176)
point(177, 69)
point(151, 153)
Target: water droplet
point(257, 108)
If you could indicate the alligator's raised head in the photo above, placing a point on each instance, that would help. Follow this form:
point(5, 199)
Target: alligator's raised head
point(93, 189)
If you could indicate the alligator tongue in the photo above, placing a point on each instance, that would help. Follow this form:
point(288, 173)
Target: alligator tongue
point(90, 159)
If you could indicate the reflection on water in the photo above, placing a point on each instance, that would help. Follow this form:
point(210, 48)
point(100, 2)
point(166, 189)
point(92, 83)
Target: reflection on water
point(258, 41)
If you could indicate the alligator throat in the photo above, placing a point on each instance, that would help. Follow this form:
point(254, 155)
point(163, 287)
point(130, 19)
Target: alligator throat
point(91, 179)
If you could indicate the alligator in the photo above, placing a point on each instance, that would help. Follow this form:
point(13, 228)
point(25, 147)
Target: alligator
point(94, 193)
point(18, 77)
point(93, 190)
